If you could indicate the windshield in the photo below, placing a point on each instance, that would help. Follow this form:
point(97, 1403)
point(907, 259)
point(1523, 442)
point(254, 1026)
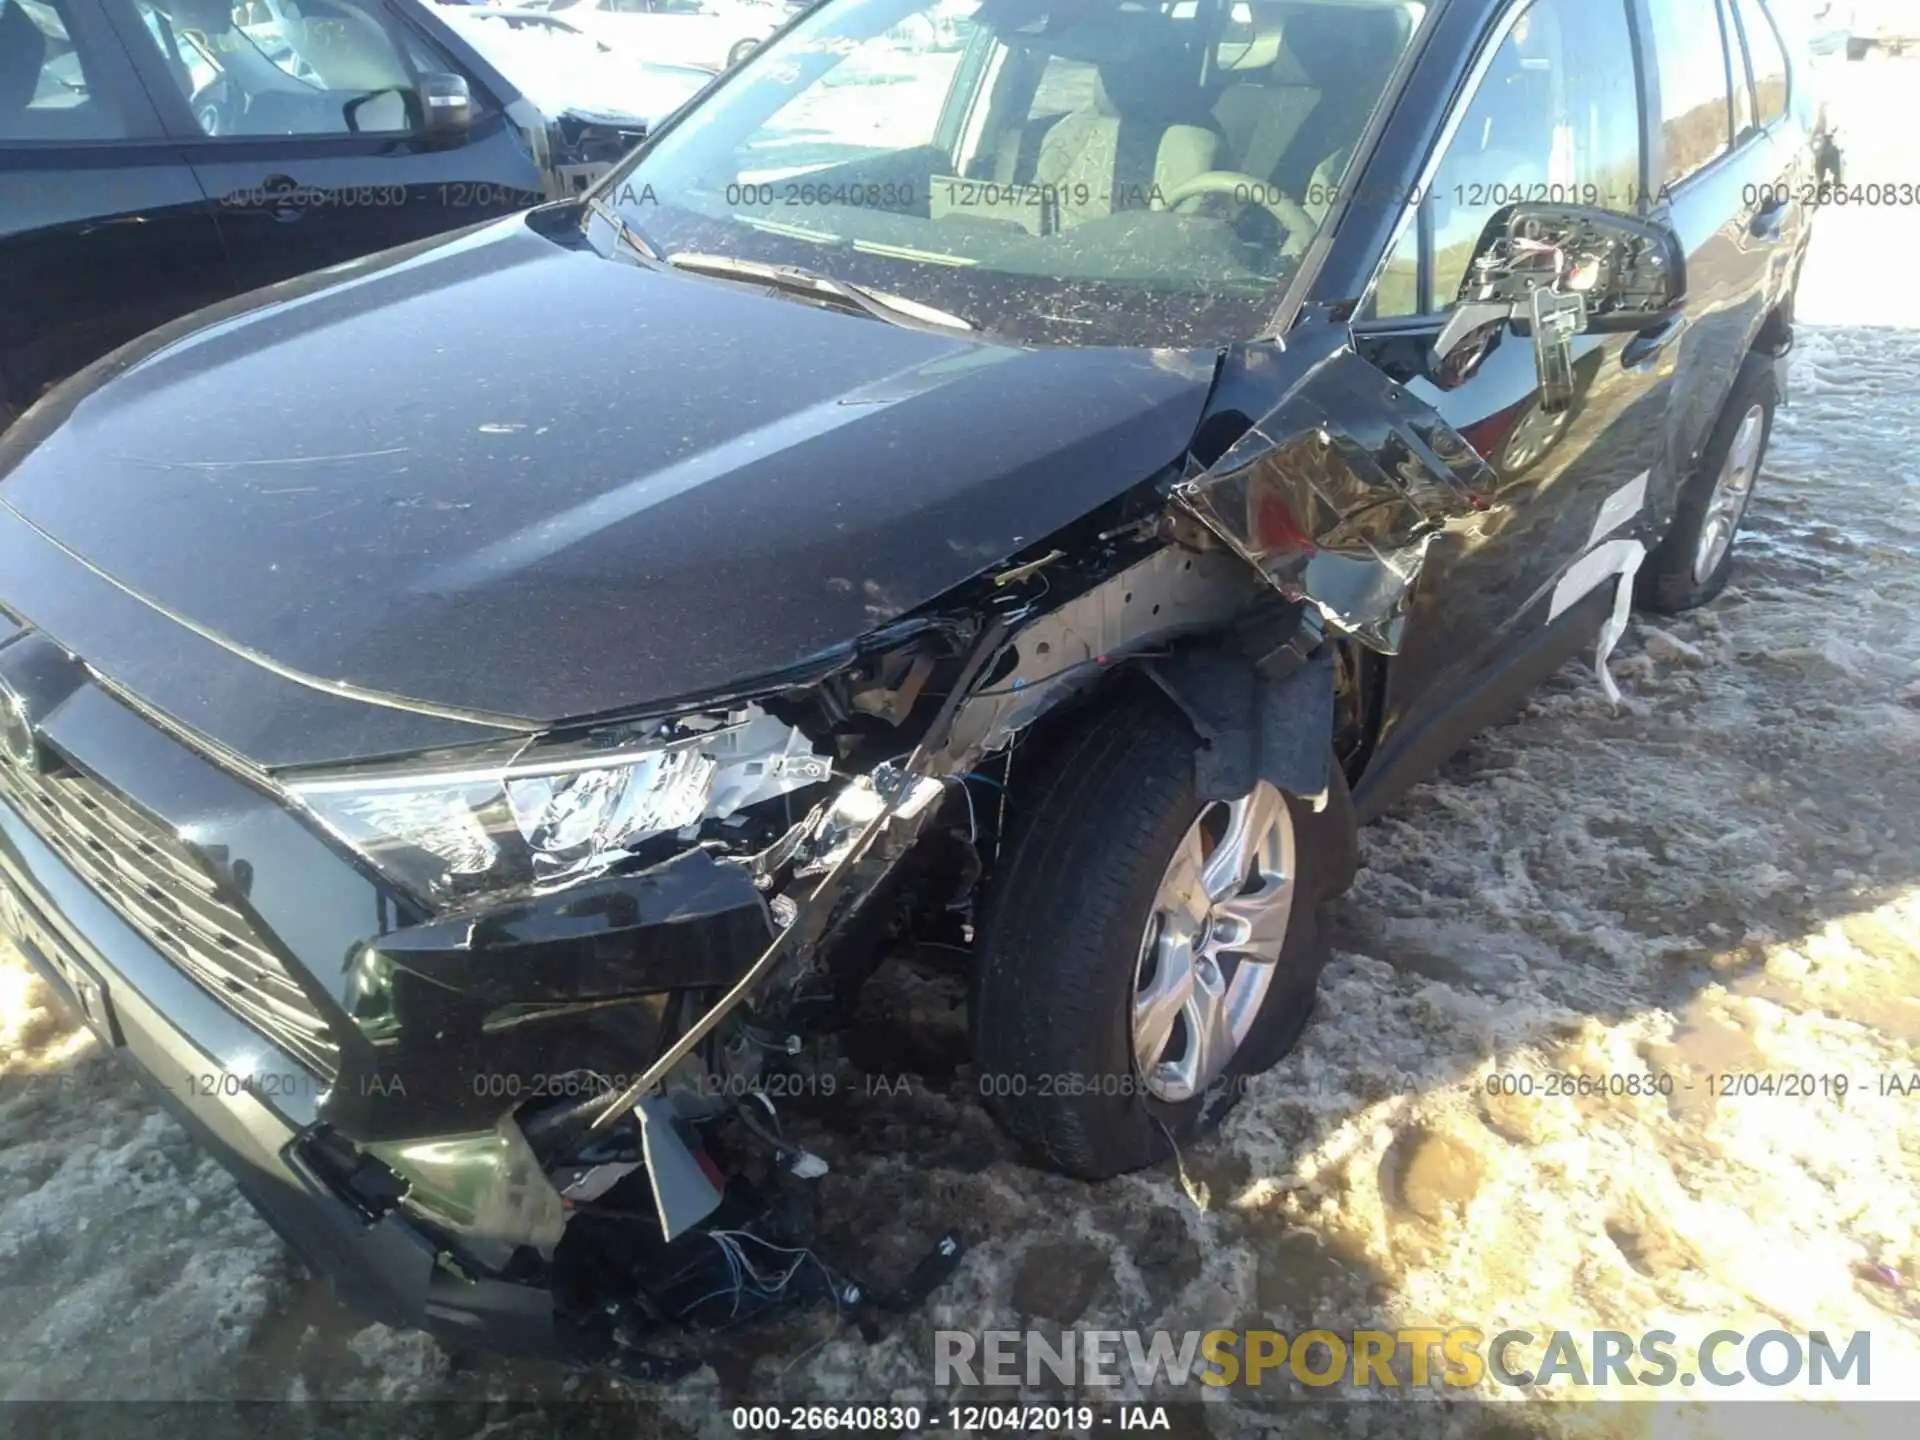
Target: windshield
point(1087, 172)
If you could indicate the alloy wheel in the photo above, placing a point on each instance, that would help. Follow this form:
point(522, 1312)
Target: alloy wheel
point(1732, 489)
point(1213, 942)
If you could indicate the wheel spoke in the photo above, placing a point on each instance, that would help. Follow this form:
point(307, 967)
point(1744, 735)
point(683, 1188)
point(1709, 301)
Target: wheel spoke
point(1210, 1028)
point(1256, 924)
point(1746, 446)
point(1727, 503)
point(1250, 820)
point(1182, 892)
point(1160, 1001)
point(1219, 921)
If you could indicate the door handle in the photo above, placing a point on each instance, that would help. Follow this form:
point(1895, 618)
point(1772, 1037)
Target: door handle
point(1642, 352)
point(1767, 222)
point(284, 198)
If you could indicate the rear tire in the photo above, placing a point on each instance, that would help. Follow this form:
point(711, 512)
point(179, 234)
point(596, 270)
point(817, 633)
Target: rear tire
point(1686, 569)
point(1058, 985)
point(740, 52)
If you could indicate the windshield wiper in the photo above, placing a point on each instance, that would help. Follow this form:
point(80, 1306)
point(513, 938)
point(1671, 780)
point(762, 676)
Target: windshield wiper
point(791, 279)
point(628, 234)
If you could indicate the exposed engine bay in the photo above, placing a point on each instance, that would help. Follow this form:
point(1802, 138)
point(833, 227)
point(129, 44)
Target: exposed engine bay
point(763, 849)
point(627, 940)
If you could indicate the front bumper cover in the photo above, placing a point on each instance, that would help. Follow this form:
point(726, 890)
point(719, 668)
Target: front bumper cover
point(498, 1026)
point(183, 1043)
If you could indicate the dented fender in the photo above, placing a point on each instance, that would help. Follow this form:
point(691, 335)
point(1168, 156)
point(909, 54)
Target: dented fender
point(1339, 482)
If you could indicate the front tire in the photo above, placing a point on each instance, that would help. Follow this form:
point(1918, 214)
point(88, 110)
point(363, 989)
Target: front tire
point(1691, 565)
point(741, 51)
point(1088, 953)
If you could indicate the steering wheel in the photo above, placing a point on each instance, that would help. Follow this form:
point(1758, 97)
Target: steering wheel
point(217, 108)
point(1299, 224)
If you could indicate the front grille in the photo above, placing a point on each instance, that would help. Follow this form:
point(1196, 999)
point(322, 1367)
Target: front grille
point(137, 866)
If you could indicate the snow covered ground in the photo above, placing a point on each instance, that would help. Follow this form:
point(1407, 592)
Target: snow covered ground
point(1722, 876)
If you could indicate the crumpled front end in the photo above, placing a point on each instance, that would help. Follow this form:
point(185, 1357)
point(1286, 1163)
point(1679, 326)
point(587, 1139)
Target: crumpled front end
point(520, 994)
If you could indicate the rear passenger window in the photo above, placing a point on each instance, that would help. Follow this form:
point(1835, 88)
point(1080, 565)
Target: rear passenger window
point(1768, 58)
point(1556, 118)
point(46, 91)
point(1696, 112)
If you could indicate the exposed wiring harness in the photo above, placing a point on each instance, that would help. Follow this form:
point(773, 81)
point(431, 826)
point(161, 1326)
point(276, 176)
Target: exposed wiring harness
point(746, 1278)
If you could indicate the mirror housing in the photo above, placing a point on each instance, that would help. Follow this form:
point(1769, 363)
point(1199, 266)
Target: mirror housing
point(1556, 271)
point(446, 103)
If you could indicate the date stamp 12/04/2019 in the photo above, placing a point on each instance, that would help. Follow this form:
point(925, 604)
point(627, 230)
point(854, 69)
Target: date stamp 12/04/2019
point(1716, 1084)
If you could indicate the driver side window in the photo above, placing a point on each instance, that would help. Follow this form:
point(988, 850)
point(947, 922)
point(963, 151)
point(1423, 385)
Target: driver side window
point(1556, 118)
point(295, 67)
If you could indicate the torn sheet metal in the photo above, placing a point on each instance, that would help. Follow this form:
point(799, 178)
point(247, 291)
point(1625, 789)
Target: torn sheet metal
point(907, 791)
point(1336, 490)
point(1166, 593)
point(702, 919)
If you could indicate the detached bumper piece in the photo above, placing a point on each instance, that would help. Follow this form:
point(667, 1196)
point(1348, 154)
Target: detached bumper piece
point(547, 999)
point(394, 1092)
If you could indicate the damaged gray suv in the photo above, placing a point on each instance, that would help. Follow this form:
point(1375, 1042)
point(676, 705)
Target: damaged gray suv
point(1035, 481)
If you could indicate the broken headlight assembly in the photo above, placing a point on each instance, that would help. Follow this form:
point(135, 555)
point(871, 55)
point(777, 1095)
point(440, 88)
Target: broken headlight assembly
point(544, 815)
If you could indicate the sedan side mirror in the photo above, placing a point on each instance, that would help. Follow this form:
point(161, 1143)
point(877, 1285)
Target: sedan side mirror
point(1557, 271)
point(446, 103)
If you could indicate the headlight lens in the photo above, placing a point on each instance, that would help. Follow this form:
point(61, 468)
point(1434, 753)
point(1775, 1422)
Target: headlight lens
point(551, 817)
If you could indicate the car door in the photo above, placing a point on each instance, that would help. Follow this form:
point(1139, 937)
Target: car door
point(1777, 151)
point(1718, 172)
point(104, 232)
point(1551, 112)
point(303, 121)
point(1787, 150)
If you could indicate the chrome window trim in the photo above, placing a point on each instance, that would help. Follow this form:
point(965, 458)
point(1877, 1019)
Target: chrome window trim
point(1764, 8)
point(1733, 36)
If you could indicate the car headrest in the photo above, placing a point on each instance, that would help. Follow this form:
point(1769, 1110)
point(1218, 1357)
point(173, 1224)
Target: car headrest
point(210, 17)
point(1154, 87)
point(23, 50)
point(1145, 70)
point(1117, 36)
point(1344, 43)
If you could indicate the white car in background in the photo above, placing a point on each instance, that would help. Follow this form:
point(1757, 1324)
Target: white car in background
point(1890, 25)
point(563, 69)
point(716, 34)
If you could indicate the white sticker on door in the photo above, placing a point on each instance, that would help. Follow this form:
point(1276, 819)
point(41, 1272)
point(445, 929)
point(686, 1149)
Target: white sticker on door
point(1619, 507)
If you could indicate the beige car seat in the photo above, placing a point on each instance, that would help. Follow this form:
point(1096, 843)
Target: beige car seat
point(1268, 97)
point(1145, 131)
point(1346, 52)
